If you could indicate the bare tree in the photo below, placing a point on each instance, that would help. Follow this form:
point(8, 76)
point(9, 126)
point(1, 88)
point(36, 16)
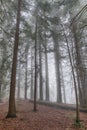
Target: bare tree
point(74, 79)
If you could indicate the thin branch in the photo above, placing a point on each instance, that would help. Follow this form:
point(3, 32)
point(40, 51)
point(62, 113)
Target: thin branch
point(78, 15)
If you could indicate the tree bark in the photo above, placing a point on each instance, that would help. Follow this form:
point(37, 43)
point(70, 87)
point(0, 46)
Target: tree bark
point(40, 72)
point(80, 72)
point(74, 79)
point(62, 85)
point(12, 107)
point(57, 67)
point(26, 66)
point(32, 75)
point(35, 79)
point(46, 72)
point(19, 78)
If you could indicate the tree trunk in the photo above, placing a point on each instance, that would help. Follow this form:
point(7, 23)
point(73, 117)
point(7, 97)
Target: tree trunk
point(74, 79)
point(57, 66)
point(12, 107)
point(26, 66)
point(80, 72)
point(62, 85)
point(32, 76)
point(2, 70)
point(40, 72)
point(46, 72)
point(0, 90)
point(35, 79)
point(19, 78)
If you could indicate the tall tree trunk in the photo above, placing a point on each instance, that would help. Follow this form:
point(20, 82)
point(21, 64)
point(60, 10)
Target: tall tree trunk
point(32, 76)
point(35, 76)
point(46, 72)
point(19, 78)
point(74, 79)
point(62, 85)
point(46, 61)
point(26, 81)
point(26, 65)
point(80, 72)
point(12, 107)
point(40, 72)
point(2, 70)
point(57, 66)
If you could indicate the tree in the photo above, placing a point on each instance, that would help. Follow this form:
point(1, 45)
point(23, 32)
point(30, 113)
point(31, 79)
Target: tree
point(78, 36)
point(46, 71)
point(32, 73)
point(35, 76)
point(19, 80)
point(4, 66)
point(57, 66)
point(40, 70)
point(12, 107)
point(74, 79)
point(26, 69)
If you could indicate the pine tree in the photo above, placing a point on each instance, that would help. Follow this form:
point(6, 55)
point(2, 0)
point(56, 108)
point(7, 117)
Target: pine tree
point(12, 107)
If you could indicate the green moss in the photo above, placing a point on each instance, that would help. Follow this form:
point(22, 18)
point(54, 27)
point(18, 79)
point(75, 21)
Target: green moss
point(78, 124)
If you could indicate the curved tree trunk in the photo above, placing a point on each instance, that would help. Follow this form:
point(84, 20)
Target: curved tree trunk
point(74, 79)
point(81, 72)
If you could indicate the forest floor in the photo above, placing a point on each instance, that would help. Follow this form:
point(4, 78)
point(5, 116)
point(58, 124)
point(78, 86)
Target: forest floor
point(46, 118)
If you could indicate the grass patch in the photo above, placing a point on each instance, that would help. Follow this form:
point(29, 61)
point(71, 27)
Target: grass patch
point(78, 124)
